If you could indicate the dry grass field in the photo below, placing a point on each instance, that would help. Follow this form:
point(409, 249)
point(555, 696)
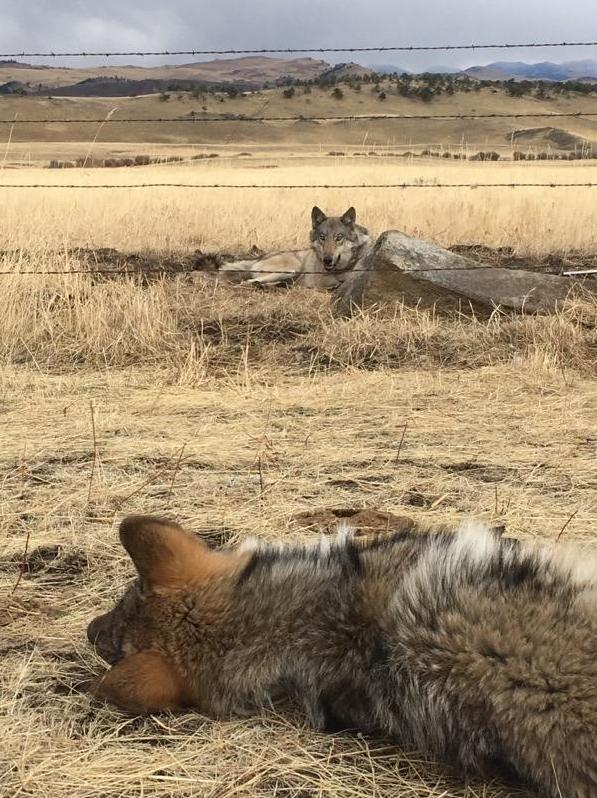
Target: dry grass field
point(232, 410)
point(533, 221)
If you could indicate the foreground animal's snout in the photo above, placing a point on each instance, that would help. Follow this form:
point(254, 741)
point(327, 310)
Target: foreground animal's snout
point(328, 262)
point(100, 637)
point(94, 630)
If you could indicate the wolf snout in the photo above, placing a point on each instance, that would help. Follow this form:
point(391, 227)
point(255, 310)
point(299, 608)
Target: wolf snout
point(328, 262)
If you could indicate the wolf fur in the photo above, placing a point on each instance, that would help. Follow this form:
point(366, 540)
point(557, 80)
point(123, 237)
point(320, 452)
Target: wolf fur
point(478, 649)
point(338, 259)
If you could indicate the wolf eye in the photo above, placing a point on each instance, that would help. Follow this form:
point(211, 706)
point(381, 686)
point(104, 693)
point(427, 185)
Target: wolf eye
point(322, 236)
point(339, 238)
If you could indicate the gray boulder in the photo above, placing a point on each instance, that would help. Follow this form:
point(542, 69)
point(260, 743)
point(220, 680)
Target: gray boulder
point(411, 267)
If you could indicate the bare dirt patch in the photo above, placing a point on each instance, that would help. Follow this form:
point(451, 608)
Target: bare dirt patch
point(553, 136)
point(364, 522)
point(51, 563)
point(506, 258)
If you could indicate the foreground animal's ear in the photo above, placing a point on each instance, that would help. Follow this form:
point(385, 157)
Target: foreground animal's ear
point(166, 555)
point(144, 682)
point(317, 216)
point(349, 217)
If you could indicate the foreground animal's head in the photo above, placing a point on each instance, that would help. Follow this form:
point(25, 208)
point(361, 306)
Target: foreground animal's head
point(230, 631)
point(145, 637)
point(336, 239)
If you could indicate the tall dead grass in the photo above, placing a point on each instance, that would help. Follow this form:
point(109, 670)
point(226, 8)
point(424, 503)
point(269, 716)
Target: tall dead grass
point(533, 221)
point(414, 338)
point(198, 327)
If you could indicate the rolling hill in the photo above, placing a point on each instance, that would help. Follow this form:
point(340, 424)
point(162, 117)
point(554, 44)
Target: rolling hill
point(250, 71)
point(246, 73)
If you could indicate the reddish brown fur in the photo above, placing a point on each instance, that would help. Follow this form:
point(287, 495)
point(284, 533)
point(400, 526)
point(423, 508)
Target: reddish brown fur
point(167, 556)
point(144, 682)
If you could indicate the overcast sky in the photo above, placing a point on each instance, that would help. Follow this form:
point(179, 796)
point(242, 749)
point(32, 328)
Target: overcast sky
point(245, 24)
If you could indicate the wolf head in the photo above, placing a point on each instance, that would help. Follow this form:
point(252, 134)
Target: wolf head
point(336, 239)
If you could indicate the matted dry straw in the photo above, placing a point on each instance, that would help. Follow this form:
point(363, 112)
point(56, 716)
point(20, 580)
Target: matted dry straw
point(232, 411)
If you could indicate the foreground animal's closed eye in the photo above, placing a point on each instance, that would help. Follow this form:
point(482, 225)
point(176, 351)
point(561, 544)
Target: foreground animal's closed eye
point(339, 238)
point(322, 236)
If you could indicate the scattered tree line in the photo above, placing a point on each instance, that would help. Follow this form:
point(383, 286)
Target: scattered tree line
point(485, 155)
point(577, 155)
point(429, 85)
point(424, 87)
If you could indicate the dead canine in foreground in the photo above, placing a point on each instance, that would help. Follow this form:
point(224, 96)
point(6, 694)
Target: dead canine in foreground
point(481, 651)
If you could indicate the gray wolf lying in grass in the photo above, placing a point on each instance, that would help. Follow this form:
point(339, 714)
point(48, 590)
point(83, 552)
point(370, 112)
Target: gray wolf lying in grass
point(338, 259)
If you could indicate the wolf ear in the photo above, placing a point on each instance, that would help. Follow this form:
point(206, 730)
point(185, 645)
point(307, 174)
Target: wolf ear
point(349, 217)
point(143, 682)
point(166, 555)
point(317, 216)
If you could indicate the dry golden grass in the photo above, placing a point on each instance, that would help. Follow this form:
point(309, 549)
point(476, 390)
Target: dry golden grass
point(531, 220)
point(198, 328)
point(119, 404)
point(509, 442)
point(118, 398)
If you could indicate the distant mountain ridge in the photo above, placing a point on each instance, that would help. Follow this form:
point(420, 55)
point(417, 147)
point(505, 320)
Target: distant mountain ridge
point(347, 70)
point(544, 70)
point(394, 69)
point(504, 70)
point(389, 69)
point(248, 73)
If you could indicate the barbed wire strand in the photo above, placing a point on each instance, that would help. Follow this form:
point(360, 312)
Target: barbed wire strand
point(300, 118)
point(294, 186)
point(51, 53)
point(132, 272)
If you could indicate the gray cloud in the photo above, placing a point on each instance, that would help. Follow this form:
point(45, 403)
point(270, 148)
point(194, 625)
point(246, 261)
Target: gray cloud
point(246, 24)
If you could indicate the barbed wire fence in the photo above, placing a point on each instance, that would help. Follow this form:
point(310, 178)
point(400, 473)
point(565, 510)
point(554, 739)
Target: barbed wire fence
point(198, 120)
point(142, 272)
point(242, 118)
point(157, 270)
point(270, 186)
point(404, 48)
